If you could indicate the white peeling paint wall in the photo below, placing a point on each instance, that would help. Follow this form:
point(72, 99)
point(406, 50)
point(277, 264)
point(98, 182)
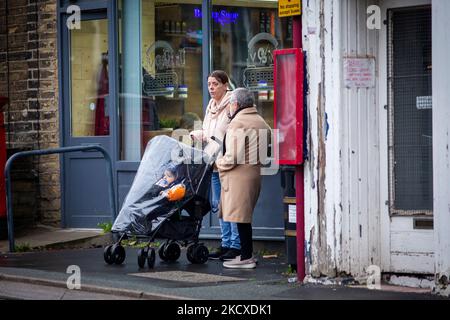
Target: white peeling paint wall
point(441, 142)
point(321, 29)
point(332, 129)
point(342, 215)
point(311, 44)
point(360, 147)
point(346, 173)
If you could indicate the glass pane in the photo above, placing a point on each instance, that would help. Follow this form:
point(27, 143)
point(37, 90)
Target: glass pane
point(161, 83)
point(245, 33)
point(89, 79)
point(412, 110)
point(287, 116)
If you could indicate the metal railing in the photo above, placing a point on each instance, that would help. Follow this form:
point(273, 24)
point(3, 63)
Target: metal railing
point(23, 154)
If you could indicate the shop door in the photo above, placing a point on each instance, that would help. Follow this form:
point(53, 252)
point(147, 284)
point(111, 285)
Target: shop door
point(86, 119)
point(410, 140)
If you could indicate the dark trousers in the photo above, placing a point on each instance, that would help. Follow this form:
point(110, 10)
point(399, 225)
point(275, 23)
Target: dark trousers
point(245, 233)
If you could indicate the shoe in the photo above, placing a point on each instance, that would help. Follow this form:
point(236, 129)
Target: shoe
point(237, 263)
point(230, 254)
point(218, 253)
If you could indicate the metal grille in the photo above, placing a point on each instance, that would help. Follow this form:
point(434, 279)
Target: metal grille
point(253, 75)
point(156, 86)
point(410, 111)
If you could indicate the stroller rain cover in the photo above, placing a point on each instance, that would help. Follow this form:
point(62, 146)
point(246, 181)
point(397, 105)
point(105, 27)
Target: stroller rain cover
point(165, 163)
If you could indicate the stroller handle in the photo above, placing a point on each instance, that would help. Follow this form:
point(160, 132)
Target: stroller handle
point(215, 154)
point(219, 150)
point(217, 140)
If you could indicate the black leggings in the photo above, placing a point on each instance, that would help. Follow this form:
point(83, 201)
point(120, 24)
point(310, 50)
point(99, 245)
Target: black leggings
point(245, 233)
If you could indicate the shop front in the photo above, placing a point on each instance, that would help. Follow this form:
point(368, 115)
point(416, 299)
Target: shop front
point(132, 70)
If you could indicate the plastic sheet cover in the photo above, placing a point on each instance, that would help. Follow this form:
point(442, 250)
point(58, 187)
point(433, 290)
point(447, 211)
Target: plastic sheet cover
point(165, 165)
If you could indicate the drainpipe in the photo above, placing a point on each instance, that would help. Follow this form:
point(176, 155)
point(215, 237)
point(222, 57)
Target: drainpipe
point(299, 174)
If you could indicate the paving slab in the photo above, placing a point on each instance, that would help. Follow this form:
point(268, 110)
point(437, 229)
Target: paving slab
point(45, 236)
point(14, 290)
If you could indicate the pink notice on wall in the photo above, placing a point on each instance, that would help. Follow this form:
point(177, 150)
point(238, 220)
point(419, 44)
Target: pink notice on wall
point(359, 73)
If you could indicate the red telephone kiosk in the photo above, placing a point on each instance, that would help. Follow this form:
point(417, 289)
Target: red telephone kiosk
point(289, 137)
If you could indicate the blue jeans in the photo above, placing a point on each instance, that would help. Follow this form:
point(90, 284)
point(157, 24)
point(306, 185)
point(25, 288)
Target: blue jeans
point(230, 234)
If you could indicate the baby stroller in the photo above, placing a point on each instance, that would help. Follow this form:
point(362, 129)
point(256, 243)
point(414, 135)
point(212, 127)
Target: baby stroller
point(167, 200)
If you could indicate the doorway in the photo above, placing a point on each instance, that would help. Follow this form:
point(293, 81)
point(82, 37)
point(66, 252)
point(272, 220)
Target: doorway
point(407, 231)
point(86, 119)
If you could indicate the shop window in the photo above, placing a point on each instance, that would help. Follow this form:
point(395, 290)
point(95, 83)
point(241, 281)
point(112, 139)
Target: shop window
point(245, 34)
point(89, 79)
point(161, 71)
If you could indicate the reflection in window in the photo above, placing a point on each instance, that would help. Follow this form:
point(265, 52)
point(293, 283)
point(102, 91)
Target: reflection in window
point(161, 67)
point(89, 79)
point(245, 33)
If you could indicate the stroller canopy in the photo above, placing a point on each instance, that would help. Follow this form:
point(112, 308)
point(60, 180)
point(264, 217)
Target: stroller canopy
point(166, 165)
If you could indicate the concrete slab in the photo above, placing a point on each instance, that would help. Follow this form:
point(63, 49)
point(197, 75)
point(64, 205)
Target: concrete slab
point(26, 291)
point(186, 276)
point(44, 236)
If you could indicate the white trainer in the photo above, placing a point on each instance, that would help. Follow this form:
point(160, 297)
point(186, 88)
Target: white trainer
point(237, 263)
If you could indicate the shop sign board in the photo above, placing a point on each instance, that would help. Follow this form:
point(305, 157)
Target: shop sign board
point(289, 8)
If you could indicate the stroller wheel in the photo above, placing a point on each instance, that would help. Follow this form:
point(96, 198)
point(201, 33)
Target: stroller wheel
point(172, 251)
point(151, 258)
point(162, 252)
point(200, 254)
point(142, 256)
point(107, 255)
point(118, 253)
point(190, 253)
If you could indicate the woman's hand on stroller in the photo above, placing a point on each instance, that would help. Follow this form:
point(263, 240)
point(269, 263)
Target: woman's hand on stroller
point(197, 135)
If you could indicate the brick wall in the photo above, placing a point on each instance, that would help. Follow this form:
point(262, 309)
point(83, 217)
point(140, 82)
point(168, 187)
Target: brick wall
point(32, 115)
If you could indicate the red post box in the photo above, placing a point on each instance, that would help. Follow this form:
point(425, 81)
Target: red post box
point(3, 102)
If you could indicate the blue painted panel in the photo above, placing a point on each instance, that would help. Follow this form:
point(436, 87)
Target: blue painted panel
point(125, 179)
point(87, 192)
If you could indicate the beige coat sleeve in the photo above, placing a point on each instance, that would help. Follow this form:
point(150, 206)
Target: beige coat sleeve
point(229, 160)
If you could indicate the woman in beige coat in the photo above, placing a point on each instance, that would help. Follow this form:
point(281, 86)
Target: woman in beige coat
point(240, 171)
point(215, 124)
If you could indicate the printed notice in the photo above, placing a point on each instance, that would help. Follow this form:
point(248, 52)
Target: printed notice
point(359, 73)
point(292, 214)
point(288, 8)
point(424, 103)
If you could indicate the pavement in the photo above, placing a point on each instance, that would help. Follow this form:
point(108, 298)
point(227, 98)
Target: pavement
point(174, 281)
point(51, 274)
point(42, 236)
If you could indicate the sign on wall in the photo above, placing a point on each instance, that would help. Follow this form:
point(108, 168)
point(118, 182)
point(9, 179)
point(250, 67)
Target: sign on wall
point(424, 102)
point(359, 73)
point(288, 8)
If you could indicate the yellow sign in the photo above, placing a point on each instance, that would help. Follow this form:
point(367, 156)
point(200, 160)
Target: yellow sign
point(288, 8)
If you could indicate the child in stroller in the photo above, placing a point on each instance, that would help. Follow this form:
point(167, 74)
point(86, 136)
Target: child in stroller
point(167, 186)
point(167, 200)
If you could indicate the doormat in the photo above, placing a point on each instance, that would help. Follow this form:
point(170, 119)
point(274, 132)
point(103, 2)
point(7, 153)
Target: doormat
point(185, 276)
